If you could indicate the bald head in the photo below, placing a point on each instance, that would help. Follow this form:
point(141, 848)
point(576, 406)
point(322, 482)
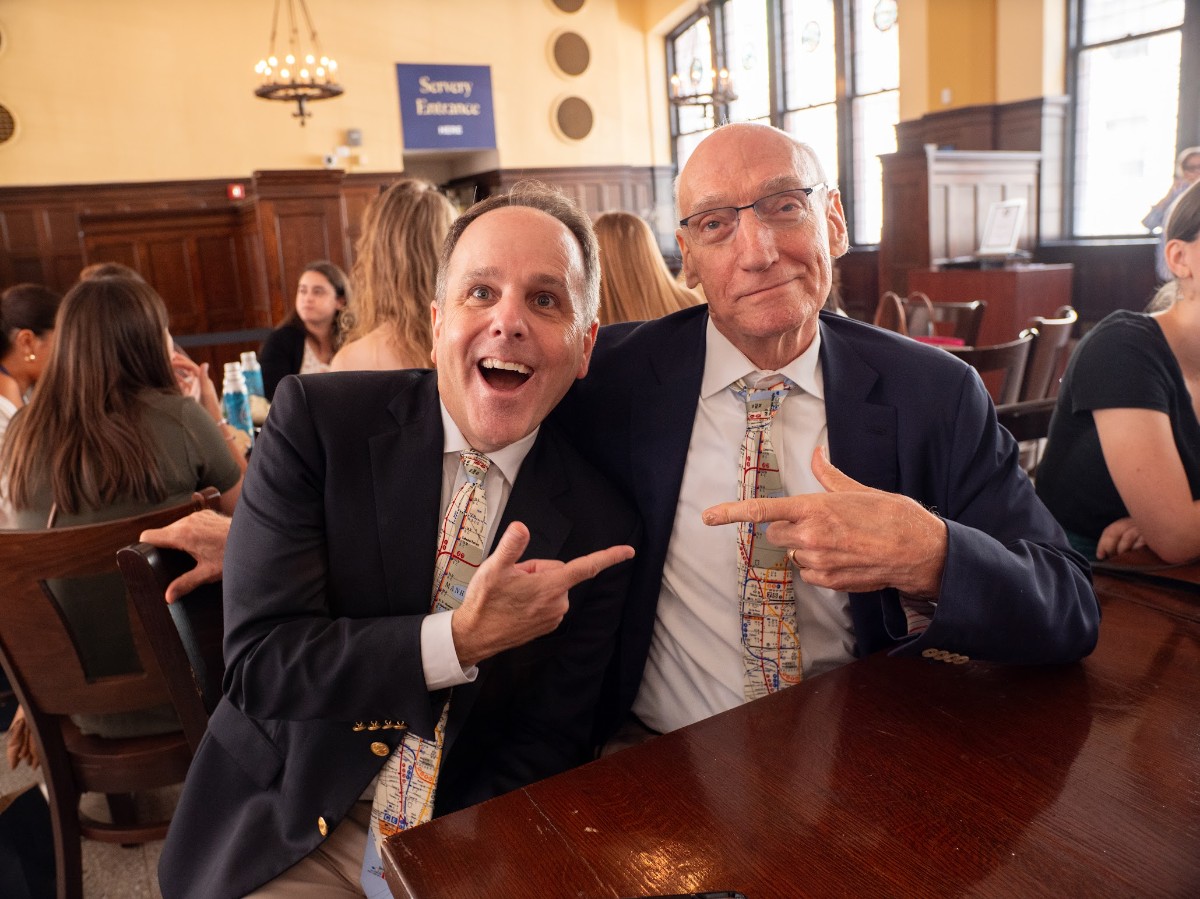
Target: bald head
point(735, 145)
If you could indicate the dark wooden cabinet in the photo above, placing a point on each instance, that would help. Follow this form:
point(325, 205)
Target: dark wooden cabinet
point(936, 202)
point(1014, 294)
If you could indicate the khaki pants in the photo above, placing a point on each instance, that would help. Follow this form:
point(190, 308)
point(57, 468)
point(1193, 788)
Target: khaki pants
point(332, 869)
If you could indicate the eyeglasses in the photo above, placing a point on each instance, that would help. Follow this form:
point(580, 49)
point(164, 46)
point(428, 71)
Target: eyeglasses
point(785, 209)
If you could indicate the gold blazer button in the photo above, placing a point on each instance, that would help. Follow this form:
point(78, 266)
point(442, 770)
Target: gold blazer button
point(322, 827)
point(381, 749)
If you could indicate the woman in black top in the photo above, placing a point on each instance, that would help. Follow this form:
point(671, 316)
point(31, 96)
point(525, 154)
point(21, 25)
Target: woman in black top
point(1122, 463)
point(307, 339)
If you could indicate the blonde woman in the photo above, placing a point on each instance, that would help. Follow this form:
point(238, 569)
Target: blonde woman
point(393, 279)
point(635, 283)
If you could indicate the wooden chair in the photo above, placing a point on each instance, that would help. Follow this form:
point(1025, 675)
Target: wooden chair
point(42, 658)
point(1047, 356)
point(185, 635)
point(961, 320)
point(889, 314)
point(1008, 358)
point(1029, 423)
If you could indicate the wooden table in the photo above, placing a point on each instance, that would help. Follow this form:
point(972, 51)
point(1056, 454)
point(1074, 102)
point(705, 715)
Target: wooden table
point(887, 777)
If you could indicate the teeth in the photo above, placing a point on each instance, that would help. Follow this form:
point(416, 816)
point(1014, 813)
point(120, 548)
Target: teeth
point(507, 366)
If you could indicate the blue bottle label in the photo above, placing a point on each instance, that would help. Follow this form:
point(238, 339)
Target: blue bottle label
point(237, 412)
point(254, 382)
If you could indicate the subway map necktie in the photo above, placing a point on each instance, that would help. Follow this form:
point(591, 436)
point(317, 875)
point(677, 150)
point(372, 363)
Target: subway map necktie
point(770, 648)
point(405, 790)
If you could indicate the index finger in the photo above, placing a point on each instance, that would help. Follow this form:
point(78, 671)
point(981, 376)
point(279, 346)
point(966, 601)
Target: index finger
point(779, 508)
point(584, 567)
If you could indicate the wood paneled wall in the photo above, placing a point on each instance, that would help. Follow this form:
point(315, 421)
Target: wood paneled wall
point(225, 264)
point(1109, 275)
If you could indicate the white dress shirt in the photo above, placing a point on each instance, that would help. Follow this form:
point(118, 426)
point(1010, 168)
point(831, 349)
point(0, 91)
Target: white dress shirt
point(438, 658)
point(694, 669)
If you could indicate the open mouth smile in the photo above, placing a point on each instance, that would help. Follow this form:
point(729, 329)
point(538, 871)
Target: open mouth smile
point(503, 375)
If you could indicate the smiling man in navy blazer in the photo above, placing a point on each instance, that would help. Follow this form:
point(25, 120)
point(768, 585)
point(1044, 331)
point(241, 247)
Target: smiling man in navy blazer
point(926, 538)
point(331, 647)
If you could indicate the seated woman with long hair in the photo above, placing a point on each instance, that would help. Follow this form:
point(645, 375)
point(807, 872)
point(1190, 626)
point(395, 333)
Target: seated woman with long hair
point(305, 341)
point(635, 283)
point(394, 279)
point(1122, 462)
point(27, 314)
point(108, 435)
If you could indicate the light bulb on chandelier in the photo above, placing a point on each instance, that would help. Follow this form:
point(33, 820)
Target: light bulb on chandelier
point(311, 80)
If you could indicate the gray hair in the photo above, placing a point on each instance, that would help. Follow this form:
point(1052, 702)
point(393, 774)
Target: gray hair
point(553, 202)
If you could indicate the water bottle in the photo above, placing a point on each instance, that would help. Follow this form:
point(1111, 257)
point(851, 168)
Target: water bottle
point(252, 371)
point(235, 400)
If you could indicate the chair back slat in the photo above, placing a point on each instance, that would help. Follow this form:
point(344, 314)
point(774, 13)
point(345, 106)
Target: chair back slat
point(1007, 358)
point(38, 648)
point(1047, 356)
point(186, 635)
point(928, 319)
point(889, 314)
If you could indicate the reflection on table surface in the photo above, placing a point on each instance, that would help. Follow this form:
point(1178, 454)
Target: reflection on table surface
point(885, 777)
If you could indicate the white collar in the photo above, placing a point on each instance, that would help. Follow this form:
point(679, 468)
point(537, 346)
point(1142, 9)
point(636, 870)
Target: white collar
point(508, 459)
point(724, 363)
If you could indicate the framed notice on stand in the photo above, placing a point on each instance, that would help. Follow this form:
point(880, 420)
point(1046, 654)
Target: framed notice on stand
point(1003, 229)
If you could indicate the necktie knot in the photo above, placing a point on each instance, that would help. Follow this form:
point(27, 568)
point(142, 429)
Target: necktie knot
point(762, 399)
point(476, 465)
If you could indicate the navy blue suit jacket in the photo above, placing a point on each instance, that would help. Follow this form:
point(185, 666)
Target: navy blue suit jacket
point(902, 417)
point(328, 575)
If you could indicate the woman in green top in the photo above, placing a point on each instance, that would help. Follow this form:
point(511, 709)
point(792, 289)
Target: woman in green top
point(107, 435)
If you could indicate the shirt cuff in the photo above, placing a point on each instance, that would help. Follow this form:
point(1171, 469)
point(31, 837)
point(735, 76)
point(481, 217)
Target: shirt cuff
point(438, 658)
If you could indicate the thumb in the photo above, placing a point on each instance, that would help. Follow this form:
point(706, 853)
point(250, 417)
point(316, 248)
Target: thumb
point(204, 369)
point(829, 476)
point(511, 544)
point(183, 585)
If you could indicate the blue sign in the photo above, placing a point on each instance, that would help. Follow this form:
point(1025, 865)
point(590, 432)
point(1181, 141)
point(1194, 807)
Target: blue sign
point(446, 107)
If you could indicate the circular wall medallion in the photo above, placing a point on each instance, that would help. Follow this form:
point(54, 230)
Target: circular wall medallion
point(574, 118)
point(8, 125)
point(569, 5)
point(571, 53)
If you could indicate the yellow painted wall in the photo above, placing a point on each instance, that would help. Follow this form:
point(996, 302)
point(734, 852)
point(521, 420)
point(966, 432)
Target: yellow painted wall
point(914, 59)
point(1031, 49)
point(148, 90)
point(961, 52)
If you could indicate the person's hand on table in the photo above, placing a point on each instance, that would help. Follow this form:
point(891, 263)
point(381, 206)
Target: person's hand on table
point(852, 537)
point(203, 536)
point(509, 603)
point(1119, 537)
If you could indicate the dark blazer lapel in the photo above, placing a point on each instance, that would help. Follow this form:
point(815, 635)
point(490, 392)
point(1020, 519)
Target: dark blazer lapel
point(862, 434)
point(660, 426)
point(532, 502)
point(532, 499)
point(406, 470)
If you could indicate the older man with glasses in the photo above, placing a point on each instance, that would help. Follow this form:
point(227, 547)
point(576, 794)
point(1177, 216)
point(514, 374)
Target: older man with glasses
point(926, 538)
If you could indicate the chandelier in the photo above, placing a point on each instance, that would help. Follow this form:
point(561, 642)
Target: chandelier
point(302, 73)
point(707, 83)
